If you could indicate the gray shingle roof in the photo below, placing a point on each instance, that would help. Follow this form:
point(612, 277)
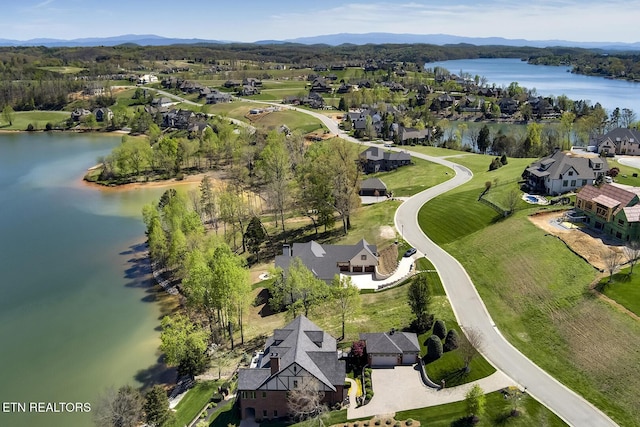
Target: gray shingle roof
point(303, 343)
point(560, 163)
point(373, 184)
point(391, 343)
point(323, 260)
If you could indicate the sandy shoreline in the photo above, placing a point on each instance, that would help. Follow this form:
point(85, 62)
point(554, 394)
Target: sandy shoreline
point(189, 180)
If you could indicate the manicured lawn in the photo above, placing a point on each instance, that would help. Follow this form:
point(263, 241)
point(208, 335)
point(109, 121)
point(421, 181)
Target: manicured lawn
point(225, 416)
point(370, 222)
point(434, 151)
point(293, 119)
point(450, 367)
point(626, 173)
point(39, 119)
point(412, 179)
point(624, 289)
point(497, 414)
point(195, 401)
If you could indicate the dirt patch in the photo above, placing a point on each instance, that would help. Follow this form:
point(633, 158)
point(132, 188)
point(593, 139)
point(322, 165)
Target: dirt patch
point(591, 248)
point(387, 232)
point(388, 259)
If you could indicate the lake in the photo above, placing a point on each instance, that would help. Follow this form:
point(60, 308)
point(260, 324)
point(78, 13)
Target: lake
point(78, 312)
point(550, 80)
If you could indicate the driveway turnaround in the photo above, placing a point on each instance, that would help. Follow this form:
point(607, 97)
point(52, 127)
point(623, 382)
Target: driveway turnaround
point(401, 388)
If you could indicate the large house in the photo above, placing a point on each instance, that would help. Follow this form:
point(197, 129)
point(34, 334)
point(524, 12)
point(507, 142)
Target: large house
point(619, 141)
point(325, 261)
point(563, 172)
point(295, 356)
point(612, 209)
point(391, 348)
point(375, 159)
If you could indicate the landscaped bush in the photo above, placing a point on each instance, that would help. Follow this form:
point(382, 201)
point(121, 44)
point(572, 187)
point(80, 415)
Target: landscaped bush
point(217, 398)
point(397, 424)
point(434, 348)
point(377, 422)
point(503, 159)
point(422, 324)
point(388, 422)
point(409, 422)
point(347, 385)
point(451, 341)
point(440, 329)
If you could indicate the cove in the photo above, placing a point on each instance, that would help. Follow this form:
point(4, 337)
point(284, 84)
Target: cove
point(78, 312)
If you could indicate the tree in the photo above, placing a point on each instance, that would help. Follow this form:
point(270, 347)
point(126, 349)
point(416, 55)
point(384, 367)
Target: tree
point(305, 401)
point(343, 159)
point(475, 401)
point(208, 202)
point(275, 168)
point(156, 407)
point(511, 200)
point(434, 348)
point(612, 262)
point(469, 346)
point(419, 299)
point(7, 114)
point(184, 344)
point(347, 298)
point(439, 329)
point(451, 340)
point(566, 126)
point(484, 139)
point(632, 253)
point(121, 408)
point(254, 236)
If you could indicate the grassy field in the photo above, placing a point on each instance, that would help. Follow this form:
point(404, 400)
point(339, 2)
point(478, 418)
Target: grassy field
point(63, 70)
point(623, 289)
point(537, 292)
point(39, 119)
point(293, 120)
point(194, 401)
point(410, 180)
point(497, 414)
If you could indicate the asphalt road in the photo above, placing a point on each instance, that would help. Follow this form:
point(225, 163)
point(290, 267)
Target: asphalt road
point(470, 309)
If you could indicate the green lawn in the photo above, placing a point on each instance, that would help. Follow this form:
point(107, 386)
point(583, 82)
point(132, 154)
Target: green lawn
point(497, 414)
point(412, 179)
point(194, 401)
point(293, 119)
point(624, 289)
point(63, 70)
point(537, 292)
point(626, 173)
point(39, 119)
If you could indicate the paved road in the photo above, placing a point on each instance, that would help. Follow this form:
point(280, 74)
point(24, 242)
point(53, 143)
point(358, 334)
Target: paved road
point(471, 313)
point(469, 307)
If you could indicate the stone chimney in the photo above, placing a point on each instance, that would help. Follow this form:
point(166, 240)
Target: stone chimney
point(274, 363)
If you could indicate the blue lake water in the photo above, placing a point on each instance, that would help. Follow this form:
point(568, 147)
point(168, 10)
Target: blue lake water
point(77, 311)
point(550, 81)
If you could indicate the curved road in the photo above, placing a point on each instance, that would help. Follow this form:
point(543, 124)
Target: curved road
point(469, 307)
point(471, 311)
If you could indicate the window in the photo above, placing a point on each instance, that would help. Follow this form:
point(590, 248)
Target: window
point(295, 383)
point(573, 182)
point(584, 182)
point(264, 412)
point(620, 222)
point(565, 183)
point(570, 173)
point(264, 394)
point(275, 413)
point(363, 257)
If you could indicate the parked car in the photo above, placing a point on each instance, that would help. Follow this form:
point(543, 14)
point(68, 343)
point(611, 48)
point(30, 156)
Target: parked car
point(409, 252)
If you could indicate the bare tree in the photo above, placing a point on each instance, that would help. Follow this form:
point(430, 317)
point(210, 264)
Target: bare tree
point(305, 401)
point(612, 262)
point(511, 199)
point(469, 346)
point(119, 408)
point(632, 253)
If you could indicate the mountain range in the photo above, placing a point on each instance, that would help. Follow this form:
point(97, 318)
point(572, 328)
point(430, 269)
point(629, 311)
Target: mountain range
point(330, 39)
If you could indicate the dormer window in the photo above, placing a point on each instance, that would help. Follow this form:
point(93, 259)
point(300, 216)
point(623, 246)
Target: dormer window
point(570, 173)
point(363, 257)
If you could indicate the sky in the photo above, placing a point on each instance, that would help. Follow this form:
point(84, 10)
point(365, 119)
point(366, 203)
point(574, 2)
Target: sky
point(249, 20)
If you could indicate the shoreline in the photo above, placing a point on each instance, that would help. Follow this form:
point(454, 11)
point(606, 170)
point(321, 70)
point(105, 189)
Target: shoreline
point(188, 180)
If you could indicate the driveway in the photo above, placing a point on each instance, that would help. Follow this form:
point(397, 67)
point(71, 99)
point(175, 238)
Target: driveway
point(401, 389)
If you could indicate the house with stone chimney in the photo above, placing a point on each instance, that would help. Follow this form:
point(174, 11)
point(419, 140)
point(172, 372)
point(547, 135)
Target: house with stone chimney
point(295, 356)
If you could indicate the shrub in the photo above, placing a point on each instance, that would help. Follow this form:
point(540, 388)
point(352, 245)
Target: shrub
point(422, 324)
point(397, 424)
point(495, 164)
point(377, 422)
point(440, 329)
point(409, 422)
point(347, 385)
point(503, 159)
point(356, 424)
point(434, 348)
point(48, 126)
point(451, 341)
point(216, 398)
point(388, 422)
point(366, 424)
point(30, 127)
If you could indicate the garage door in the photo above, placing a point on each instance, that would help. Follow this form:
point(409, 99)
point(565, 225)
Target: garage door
point(408, 359)
point(384, 360)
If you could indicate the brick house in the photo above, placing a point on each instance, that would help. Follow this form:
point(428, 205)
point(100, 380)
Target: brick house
point(297, 354)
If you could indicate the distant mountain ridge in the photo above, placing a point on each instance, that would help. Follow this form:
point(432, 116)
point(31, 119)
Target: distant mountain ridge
point(329, 39)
